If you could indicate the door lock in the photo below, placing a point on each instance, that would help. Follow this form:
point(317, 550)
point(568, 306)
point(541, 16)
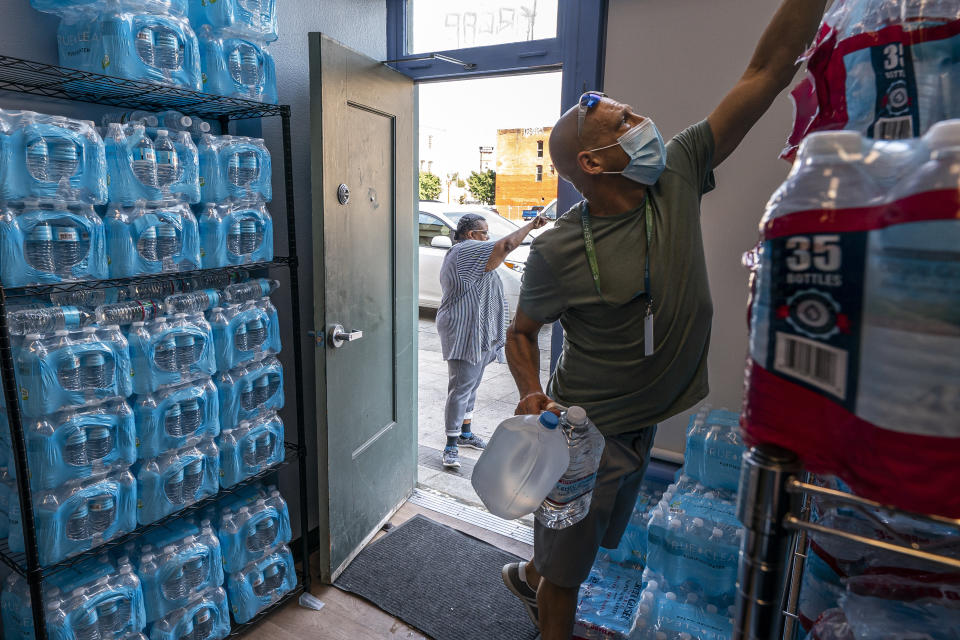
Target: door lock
point(338, 335)
point(343, 194)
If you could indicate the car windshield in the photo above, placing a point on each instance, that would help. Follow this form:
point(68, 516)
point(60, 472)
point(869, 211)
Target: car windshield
point(497, 226)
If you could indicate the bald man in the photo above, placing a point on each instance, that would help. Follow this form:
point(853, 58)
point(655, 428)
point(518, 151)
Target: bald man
point(624, 273)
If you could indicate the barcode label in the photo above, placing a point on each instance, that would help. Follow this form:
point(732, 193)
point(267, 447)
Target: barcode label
point(893, 128)
point(812, 362)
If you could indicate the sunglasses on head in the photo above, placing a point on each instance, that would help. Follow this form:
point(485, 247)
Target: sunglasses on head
point(587, 101)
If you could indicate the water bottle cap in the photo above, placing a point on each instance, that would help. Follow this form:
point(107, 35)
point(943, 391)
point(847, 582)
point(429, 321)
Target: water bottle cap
point(686, 636)
point(943, 134)
point(549, 420)
point(576, 416)
point(717, 532)
point(33, 336)
point(843, 145)
point(162, 132)
point(674, 524)
point(698, 522)
point(653, 585)
point(711, 608)
point(670, 595)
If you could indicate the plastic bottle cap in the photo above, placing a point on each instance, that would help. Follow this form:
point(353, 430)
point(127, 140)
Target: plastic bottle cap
point(670, 595)
point(943, 134)
point(711, 608)
point(549, 420)
point(674, 524)
point(717, 532)
point(162, 132)
point(698, 522)
point(576, 416)
point(692, 598)
point(653, 585)
point(845, 145)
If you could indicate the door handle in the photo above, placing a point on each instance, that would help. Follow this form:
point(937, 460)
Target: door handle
point(339, 335)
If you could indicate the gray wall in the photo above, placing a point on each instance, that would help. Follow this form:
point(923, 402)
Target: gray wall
point(674, 61)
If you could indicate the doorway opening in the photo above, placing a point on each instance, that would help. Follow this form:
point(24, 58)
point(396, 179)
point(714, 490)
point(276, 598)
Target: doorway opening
point(483, 148)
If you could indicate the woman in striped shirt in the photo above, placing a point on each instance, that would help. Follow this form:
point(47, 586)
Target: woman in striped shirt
point(472, 321)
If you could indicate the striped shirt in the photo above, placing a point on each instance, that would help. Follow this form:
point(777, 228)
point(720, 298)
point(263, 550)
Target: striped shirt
point(473, 312)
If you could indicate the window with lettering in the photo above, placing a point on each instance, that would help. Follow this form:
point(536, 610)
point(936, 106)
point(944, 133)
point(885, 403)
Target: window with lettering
point(440, 25)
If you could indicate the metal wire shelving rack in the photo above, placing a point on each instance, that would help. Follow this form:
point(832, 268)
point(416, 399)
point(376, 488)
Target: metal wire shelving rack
point(62, 84)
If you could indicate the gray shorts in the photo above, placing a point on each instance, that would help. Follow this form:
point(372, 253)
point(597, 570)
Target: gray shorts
point(564, 556)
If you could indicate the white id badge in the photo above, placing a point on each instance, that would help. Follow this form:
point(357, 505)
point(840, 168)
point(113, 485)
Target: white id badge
point(648, 334)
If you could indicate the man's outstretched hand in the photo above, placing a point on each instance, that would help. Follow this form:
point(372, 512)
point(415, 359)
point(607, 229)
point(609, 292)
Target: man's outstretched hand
point(535, 404)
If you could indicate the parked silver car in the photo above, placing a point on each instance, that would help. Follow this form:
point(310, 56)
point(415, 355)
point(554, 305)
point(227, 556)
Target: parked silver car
point(438, 221)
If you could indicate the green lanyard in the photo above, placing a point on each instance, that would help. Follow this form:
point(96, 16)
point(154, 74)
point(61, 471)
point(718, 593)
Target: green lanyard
point(595, 268)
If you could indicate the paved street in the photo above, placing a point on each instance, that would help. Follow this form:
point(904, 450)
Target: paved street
point(496, 400)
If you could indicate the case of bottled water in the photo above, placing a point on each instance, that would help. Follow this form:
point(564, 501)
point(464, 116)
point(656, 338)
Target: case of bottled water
point(170, 351)
point(146, 165)
point(247, 391)
point(178, 569)
point(72, 369)
point(171, 416)
point(609, 604)
point(632, 550)
point(51, 157)
point(679, 614)
point(235, 233)
point(251, 447)
point(79, 515)
point(131, 44)
point(178, 163)
point(261, 583)
point(206, 617)
point(254, 18)
point(251, 524)
point(714, 448)
point(79, 444)
point(896, 606)
point(172, 7)
point(45, 242)
point(152, 238)
point(853, 324)
point(234, 167)
point(237, 66)
point(244, 332)
point(177, 479)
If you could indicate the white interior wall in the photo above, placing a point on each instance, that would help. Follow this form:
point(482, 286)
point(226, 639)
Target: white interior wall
point(674, 61)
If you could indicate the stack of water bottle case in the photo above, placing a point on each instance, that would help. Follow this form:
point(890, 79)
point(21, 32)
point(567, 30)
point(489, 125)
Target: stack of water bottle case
point(157, 40)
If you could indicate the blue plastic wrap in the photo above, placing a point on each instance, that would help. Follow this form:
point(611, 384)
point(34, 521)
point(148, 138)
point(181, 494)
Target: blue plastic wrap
point(75, 445)
point(168, 418)
point(131, 164)
point(206, 617)
point(139, 46)
point(246, 391)
point(244, 333)
point(143, 239)
point(257, 20)
point(183, 165)
point(72, 369)
point(632, 550)
point(51, 242)
point(679, 614)
point(608, 604)
point(261, 583)
point(252, 525)
point(170, 351)
point(234, 167)
point(235, 233)
point(180, 571)
point(114, 604)
point(903, 606)
point(177, 479)
point(237, 67)
point(78, 516)
point(173, 7)
point(714, 448)
point(51, 157)
point(250, 448)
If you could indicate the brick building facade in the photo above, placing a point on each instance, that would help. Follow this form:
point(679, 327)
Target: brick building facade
point(526, 177)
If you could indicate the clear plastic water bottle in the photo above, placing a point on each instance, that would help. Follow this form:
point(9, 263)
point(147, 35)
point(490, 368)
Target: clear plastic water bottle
point(190, 416)
point(38, 247)
point(69, 372)
point(202, 624)
point(75, 448)
point(264, 533)
point(173, 420)
point(264, 447)
point(272, 385)
point(168, 52)
point(247, 398)
point(233, 239)
point(94, 371)
point(248, 236)
point(47, 319)
point(169, 170)
point(37, 154)
point(108, 615)
point(166, 241)
point(241, 338)
point(256, 333)
point(145, 160)
point(137, 116)
point(175, 588)
point(256, 584)
point(261, 390)
point(145, 46)
point(66, 248)
point(123, 313)
point(187, 631)
point(195, 571)
point(272, 577)
point(187, 351)
point(103, 509)
point(147, 244)
point(165, 354)
point(253, 290)
point(99, 443)
point(63, 159)
point(173, 487)
point(249, 449)
point(192, 478)
point(78, 524)
point(195, 301)
point(86, 625)
point(569, 501)
point(175, 120)
point(522, 462)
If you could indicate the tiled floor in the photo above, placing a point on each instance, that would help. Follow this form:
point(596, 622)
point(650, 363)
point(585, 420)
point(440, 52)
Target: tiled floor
point(496, 400)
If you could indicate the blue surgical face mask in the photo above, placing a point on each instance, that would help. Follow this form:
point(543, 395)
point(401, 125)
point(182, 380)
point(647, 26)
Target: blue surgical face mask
point(648, 157)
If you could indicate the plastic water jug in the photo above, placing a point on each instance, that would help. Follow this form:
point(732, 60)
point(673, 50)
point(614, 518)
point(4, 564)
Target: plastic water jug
point(521, 464)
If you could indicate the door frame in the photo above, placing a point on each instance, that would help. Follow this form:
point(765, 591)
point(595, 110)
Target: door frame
point(404, 241)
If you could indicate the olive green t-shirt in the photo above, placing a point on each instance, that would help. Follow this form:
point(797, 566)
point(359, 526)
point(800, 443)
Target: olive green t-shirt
point(603, 367)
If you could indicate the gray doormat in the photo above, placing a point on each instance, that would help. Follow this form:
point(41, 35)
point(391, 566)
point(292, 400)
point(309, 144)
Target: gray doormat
point(441, 581)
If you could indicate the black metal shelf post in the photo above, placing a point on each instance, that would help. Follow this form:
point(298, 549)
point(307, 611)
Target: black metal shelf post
point(59, 83)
